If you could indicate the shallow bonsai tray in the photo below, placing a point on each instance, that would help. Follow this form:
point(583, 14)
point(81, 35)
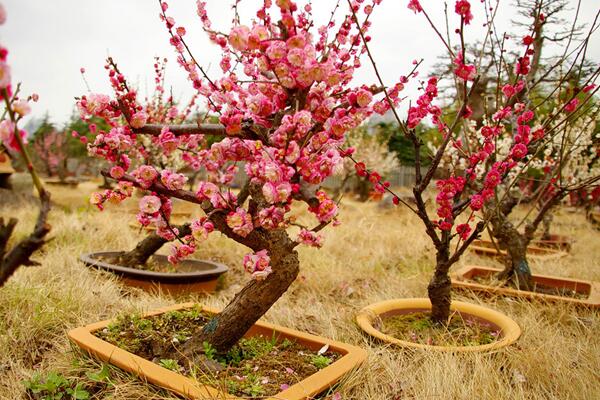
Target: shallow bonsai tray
point(196, 276)
point(58, 182)
point(559, 242)
point(463, 279)
point(351, 357)
point(487, 248)
point(367, 317)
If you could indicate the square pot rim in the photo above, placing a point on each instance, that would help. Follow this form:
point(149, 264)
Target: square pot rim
point(352, 356)
point(593, 299)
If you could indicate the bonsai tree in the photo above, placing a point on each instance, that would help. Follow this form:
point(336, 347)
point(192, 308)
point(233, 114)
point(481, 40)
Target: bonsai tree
point(13, 138)
point(285, 102)
point(569, 164)
point(478, 168)
point(159, 109)
point(51, 149)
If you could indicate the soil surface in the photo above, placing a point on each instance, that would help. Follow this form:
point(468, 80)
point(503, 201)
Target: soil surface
point(418, 327)
point(152, 264)
point(538, 287)
point(256, 367)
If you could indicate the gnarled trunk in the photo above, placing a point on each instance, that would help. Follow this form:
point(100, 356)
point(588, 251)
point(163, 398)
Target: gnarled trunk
point(251, 303)
point(439, 288)
point(146, 248)
point(516, 267)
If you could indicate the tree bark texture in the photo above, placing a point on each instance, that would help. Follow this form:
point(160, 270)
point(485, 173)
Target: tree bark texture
point(146, 248)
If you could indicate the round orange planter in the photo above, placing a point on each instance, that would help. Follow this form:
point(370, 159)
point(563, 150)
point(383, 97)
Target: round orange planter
point(196, 277)
point(509, 329)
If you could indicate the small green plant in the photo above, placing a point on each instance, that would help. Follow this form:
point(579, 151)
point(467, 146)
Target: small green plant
point(54, 386)
point(101, 376)
point(169, 364)
point(209, 351)
point(320, 361)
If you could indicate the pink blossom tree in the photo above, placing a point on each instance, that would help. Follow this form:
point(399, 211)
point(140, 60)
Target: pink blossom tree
point(13, 138)
point(285, 102)
point(479, 171)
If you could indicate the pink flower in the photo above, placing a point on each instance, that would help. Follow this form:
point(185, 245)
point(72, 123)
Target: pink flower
point(117, 172)
point(201, 228)
point(138, 120)
point(363, 98)
point(21, 107)
point(464, 71)
point(173, 180)
point(257, 264)
point(4, 75)
point(167, 140)
point(463, 230)
point(415, 6)
point(572, 105)
point(519, 151)
point(309, 238)
point(326, 210)
point(477, 202)
point(150, 204)
point(463, 8)
point(508, 90)
point(238, 37)
point(240, 222)
point(145, 175)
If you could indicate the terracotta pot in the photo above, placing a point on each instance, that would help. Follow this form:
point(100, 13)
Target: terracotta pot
point(558, 242)
point(487, 248)
point(199, 276)
point(57, 182)
point(462, 277)
point(146, 370)
point(509, 329)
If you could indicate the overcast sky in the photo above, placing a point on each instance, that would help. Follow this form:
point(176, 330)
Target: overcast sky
point(49, 40)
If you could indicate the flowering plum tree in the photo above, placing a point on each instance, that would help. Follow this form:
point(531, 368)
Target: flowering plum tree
point(285, 102)
point(479, 170)
point(13, 138)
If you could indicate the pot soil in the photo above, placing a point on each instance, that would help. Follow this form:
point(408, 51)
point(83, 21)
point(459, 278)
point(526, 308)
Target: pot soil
point(309, 375)
point(550, 288)
point(475, 328)
point(558, 242)
point(487, 248)
point(189, 276)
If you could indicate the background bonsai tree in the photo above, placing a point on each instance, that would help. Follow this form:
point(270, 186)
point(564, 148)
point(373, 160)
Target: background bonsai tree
point(285, 103)
point(13, 138)
point(158, 109)
point(478, 167)
point(372, 149)
point(51, 149)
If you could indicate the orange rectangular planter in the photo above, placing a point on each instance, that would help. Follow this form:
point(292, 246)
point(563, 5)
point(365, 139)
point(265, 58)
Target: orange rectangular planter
point(460, 279)
point(352, 356)
point(487, 248)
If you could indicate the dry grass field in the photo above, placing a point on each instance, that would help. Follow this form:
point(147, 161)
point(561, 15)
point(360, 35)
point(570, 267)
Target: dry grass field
point(374, 255)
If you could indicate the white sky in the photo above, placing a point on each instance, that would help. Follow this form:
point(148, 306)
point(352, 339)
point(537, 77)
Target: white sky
point(49, 40)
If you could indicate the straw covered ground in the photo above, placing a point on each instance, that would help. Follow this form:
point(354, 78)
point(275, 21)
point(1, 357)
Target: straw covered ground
point(374, 255)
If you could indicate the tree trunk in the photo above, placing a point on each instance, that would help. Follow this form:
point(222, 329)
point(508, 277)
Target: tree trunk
point(146, 248)
point(439, 287)
point(251, 303)
point(547, 224)
point(516, 267)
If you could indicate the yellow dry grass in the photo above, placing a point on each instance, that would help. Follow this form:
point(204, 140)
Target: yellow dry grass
point(374, 255)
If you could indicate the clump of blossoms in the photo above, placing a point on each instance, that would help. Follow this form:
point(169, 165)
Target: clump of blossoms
point(284, 101)
point(477, 168)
